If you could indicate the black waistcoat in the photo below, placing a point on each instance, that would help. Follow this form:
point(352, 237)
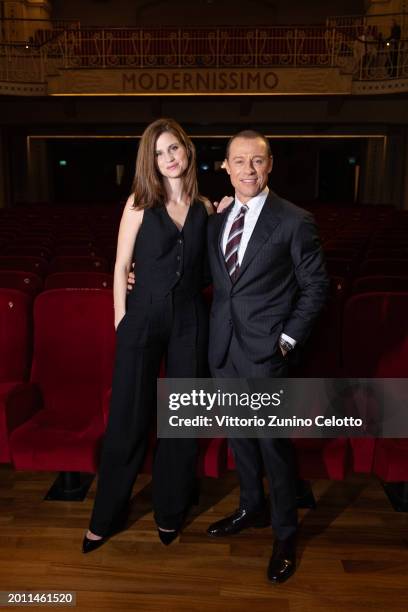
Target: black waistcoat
point(167, 259)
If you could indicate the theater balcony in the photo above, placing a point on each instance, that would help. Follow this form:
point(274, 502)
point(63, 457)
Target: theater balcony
point(340, 57)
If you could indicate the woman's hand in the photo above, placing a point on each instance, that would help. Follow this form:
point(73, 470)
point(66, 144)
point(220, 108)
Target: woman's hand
point(223, 204)
point(131, 279)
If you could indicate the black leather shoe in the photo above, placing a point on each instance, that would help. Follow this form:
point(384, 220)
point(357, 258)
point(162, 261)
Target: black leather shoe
point(90, 545)
point(241, 519)
point(167, 537)
point(282, 563)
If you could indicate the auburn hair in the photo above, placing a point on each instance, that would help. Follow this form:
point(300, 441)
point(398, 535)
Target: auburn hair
point(148, 183)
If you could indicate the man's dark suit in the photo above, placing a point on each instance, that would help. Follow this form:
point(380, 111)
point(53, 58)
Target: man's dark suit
point(281, 287)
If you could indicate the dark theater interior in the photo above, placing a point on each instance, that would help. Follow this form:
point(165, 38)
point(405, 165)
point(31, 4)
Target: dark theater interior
point(324, 84)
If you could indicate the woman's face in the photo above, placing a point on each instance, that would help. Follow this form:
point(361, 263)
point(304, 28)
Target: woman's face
point(171, 156)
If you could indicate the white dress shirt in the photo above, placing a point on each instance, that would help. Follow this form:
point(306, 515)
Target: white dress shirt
point(255, 206)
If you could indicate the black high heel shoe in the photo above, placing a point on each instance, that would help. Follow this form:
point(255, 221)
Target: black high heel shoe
point(90, 545)
point(167, 537)
point(118, 524)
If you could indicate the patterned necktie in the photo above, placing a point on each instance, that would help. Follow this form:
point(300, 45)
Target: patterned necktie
point(233, 242)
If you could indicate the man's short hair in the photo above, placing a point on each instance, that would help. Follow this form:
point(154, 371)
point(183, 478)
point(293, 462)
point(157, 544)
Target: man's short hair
point(250, 134)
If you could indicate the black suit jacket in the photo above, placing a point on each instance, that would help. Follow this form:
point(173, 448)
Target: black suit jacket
point(281, 287)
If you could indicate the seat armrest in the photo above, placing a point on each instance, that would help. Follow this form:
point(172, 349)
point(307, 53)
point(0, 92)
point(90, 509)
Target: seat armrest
point(21, 403)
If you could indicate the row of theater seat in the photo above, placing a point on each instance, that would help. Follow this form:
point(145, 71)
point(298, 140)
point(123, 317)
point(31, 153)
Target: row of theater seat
point(373, 310)
point(54, 227)
point(55, 376)
point(77, 239)
point(326, 352)
point(32, 283)
point(63, 263)
point(336, 267)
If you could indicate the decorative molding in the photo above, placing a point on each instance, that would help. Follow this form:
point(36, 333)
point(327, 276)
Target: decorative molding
point(23, 89)
point(379, 87)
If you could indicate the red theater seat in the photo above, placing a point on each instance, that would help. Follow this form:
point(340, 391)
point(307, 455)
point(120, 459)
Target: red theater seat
point(384, 267)
point(341, 252)
point(212, 457)
point(28, 251)
point(38, 265)
point(90, 280)
point(375, 344)
point(366, 284)
point(321, 356)
point(36, 241)
point(75, 250)
point(387, 253)
point(15, 336)
point(66, 263)
point(390, 464)
point(317, 458)
point(27, 282)
point(15, 331)
point(375, 335)
point(71, 371)
point(340, 267)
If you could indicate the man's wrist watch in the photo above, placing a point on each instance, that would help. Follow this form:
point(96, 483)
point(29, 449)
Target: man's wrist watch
point(285, 345)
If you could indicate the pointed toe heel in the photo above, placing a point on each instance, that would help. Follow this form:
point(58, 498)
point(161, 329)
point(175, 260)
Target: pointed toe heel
point(167, 537)
point(91, 545)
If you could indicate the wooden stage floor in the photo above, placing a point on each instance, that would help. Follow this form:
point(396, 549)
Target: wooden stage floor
point(353, 552)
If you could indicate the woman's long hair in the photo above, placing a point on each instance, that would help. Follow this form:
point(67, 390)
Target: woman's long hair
point(148, 184)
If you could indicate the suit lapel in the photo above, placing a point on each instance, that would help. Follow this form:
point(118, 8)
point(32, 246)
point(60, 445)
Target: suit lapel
point(267, 222)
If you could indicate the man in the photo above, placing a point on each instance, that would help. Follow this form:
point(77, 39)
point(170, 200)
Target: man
point(269, 285)
point(393, 43)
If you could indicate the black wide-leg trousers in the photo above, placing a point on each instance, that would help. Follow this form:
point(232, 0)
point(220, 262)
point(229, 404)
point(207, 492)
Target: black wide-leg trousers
point(177, 330)
point(254, 456)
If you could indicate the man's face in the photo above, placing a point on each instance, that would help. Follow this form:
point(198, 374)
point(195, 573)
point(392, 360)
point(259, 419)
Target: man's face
point(248, 165)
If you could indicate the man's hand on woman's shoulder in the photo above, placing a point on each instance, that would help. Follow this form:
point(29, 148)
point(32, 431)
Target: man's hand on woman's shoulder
point(223, 204)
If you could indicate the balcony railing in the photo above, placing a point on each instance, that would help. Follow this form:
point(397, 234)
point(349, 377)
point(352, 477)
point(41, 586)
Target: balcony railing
point(362, 56)
point(20, 63)
point(195, 47)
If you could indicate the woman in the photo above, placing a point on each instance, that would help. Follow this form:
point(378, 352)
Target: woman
point(163, 230)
